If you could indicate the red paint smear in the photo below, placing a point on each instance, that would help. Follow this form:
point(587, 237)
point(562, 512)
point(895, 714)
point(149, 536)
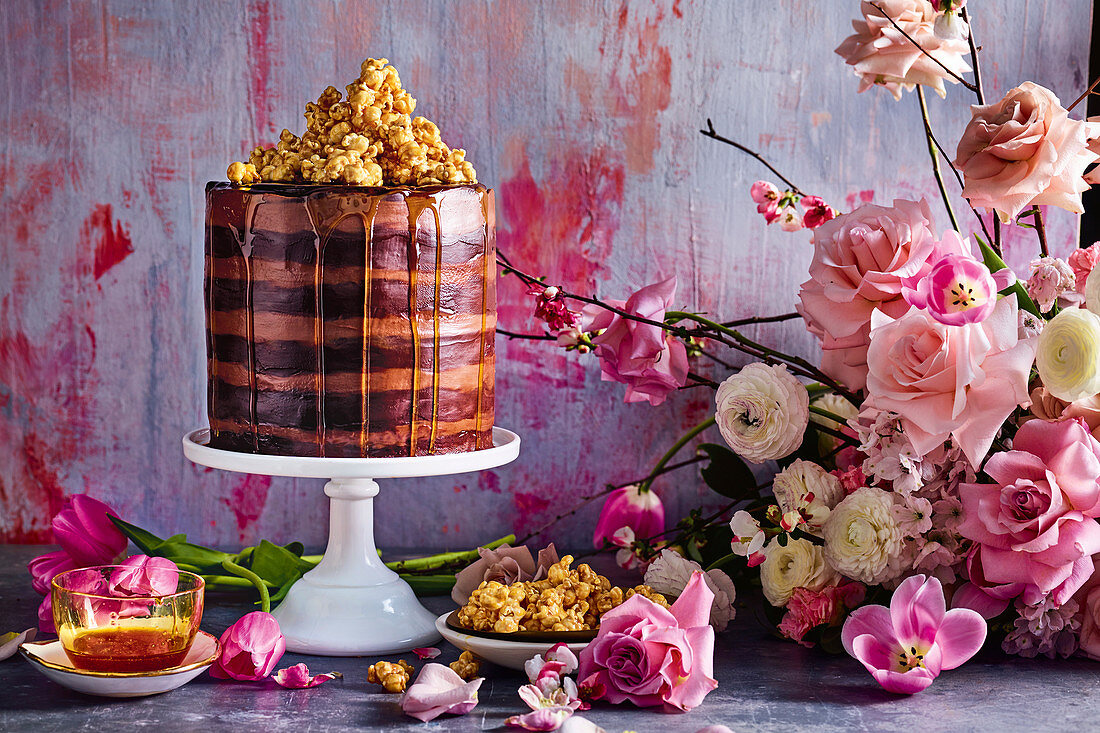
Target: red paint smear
point(676, 9)
point(45, 485)
point(247, 500)
point(111, 242)
point(529, 506)
point(488, 481)
point(259, 28)
point(854, 200)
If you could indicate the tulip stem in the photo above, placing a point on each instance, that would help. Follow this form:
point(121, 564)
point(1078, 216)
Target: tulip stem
point(935, 157)
point(243, 572)
point(446, 558)
point(648, 482)
point(231, 581)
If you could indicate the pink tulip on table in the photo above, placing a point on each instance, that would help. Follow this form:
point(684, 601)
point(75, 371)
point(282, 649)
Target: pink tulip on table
point(251, 648)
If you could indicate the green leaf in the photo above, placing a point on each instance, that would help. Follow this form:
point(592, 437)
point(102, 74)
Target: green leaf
point(296, 547)
point(727, 474)
point(277, 565)
point(144, 540)
point(994, 263)
point(175, 548)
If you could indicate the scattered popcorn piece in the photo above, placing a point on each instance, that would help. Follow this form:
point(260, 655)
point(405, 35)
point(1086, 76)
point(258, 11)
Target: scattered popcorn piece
point(467, 666)
point(393, 676)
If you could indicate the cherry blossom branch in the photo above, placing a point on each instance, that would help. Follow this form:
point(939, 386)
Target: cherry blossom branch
point(527, 336)
point(912, 40)
point(934, 154)
point(709, 132)
point(977, 88)
point(701, 381)
point(762, 319)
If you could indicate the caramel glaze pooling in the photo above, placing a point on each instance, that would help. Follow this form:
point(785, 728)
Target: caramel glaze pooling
point(269, 272)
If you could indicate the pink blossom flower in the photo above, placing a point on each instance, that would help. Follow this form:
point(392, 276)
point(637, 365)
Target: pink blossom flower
point(643, 357)
point(1082, 262)
point(650, 655)
point(1050, 282)
point(426, 652)
point(550, 307)
point(83, 530)
point(1024, 151)
point(949, 381)
point(630, 507)
point(790, 220)
point(438, 690)
point(766, 196)
point(626, 558)
point(859, 261)
point(809, 608)
point(882, 56)
point(817, 211)
point(141, 575)
point(560, 654)
point(298, 677)
point(504, 564)
point(906, 646)
point(1035, 525)
point(959, 289)
point(44, 567)
point(250, 648)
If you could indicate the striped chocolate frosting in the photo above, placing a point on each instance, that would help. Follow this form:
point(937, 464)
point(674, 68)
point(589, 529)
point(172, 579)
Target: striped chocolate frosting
point(347, 321)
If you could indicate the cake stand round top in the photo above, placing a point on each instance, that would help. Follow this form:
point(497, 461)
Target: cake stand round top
point(505, 450)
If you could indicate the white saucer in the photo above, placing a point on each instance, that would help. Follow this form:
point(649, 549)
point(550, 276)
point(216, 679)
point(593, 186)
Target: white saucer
point(510, 654)
point(49, 658)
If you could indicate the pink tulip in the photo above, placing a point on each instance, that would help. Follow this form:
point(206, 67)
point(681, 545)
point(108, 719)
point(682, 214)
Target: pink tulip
point(44, 567)
point(83, 530)
point(438, 690)
point(250, 648)
point(298, 677)
point(629, 507)
point(957, 290)
point(906, 646)
point(45, 616)
point(141, 575)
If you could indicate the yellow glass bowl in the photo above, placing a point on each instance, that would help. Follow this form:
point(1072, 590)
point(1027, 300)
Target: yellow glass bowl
point(105, 628)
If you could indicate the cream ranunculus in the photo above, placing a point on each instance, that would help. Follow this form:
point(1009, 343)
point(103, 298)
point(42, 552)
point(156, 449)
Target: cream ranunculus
point(762, 412)
point(1068, 356)
point(862, 536)
point(809, 490)
point(798, 564)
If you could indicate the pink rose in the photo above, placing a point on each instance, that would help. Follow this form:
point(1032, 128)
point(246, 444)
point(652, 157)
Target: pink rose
point(504, 564)
point(949, 381)
point(859, 261)
point(643, 357)
point(83, 530)
point(251, 648)
point(1082, 262)
point(881, 56)
point(649, 655)
point(1036, 525)
point(809, 608)
point(1022, 151)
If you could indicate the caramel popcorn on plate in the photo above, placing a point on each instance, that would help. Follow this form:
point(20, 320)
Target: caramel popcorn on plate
point(368, 139)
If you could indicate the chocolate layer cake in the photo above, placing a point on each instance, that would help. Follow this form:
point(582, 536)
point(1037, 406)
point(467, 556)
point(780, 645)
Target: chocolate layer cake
point(350, 321)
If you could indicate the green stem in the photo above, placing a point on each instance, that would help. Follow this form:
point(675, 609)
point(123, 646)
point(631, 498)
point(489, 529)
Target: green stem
point(831, 415)
point(722, 561)
point(644, 486)
point(446, 558)
point(235, 569)
point(231, 581)
point(430, 585)
point(935, 157)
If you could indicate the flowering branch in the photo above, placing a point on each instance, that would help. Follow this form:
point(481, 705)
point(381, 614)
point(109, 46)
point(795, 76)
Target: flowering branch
point(709, 132)
point(912, 40)
point(762, 319)
point(935, 157)
point(526, 336)
point(1040, 229)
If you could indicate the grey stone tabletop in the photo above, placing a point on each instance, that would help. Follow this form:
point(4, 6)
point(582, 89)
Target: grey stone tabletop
point(763, 684)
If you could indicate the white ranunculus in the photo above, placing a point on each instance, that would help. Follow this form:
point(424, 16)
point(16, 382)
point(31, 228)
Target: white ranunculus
point(862, 536)
point(808, 489)
point(670, 572)
point(762, 412)
point(798, 564)
point(1068, 355)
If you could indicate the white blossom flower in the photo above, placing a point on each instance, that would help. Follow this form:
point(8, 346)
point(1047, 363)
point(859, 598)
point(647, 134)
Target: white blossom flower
point(808, 490)
point(762, 412)
point(670, 572)
point(748, 538)
point(1068, 355)
point(862, 536)
point(798, 564)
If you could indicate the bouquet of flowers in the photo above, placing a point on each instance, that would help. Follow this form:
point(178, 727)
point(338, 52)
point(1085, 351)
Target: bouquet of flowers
point(946, 441)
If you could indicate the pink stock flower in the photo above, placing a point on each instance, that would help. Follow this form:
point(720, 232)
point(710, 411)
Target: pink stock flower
point(817, 211)
point(642, 512)
point(141, 575)
point(766, 196)
point(906, 646)
point(298, 677)
point(1024, 151)
point(1082, 262)
point(809, 608)
point(957, 290)
point(949, 381)
point(649, 655)
point(1050, 282)
point(882, 56)
point(438, 690)
point(643, 357)
point(550, 307)
point(44, 567)
point(851, 479)
point(1036, 525)
point(251, 648)
point(83, 530)
point(859, 261)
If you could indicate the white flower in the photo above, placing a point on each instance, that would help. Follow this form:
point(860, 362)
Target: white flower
point(1068, 355)
point(1092, 291)
point(862, 536)
point(762, 412)
point(790, 220)
point(670, 572)
point(839, 406)
point(809, 490)
point(748, 538)
point(799, 564)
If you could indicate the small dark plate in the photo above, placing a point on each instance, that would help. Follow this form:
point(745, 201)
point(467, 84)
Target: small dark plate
point(569, 637)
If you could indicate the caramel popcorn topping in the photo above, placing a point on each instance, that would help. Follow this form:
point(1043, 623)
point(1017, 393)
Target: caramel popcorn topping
point(467, 666)
point(368, 139)
point(394, 677)
point(567, 600)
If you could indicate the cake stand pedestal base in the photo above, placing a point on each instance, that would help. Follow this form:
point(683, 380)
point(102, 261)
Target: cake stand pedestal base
point(351, 604)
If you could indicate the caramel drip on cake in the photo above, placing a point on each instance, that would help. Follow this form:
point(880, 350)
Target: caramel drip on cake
point(435, 331)
point(484, 310)
point(368, 256)
point(243, 238)
point(415, 205)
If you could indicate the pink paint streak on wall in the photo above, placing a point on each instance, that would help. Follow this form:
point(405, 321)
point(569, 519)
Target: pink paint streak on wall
point(582, 114)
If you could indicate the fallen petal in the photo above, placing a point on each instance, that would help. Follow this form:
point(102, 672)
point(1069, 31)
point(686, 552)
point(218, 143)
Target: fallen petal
point(10, 641)
point(426, 652)
point(542, 719)
point(438, 690)
point(297, 677)
point(577, 724)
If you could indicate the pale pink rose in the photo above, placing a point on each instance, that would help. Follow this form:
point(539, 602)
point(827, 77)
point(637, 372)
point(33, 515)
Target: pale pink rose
point(1093, 132)
point(1051, 281)
point(1035, 526)
point(859, 261)
point(645, 358)
point(882, 56)
point(1022, 151)
point(949, 381)
point(1082, 261)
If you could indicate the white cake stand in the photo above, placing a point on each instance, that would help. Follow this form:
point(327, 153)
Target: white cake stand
point(351, 603)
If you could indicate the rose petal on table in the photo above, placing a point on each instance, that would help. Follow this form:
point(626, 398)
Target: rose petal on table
point(10, 641)
point(437, 690)
point(426, 652)
point(541, 719)
point(298, 677)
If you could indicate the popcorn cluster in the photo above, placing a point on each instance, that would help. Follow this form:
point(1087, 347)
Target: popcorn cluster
point(393, 676)
point(467, 666)
point(567, 600)
point(368, 139)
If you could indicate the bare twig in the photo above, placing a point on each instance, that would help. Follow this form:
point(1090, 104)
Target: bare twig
point(709, 132)
point(977, 88)
point(912, 40)
point(761, 319)
point(1085, 93)
point(934, 154)
point(1040, 229)
point(527, 336)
